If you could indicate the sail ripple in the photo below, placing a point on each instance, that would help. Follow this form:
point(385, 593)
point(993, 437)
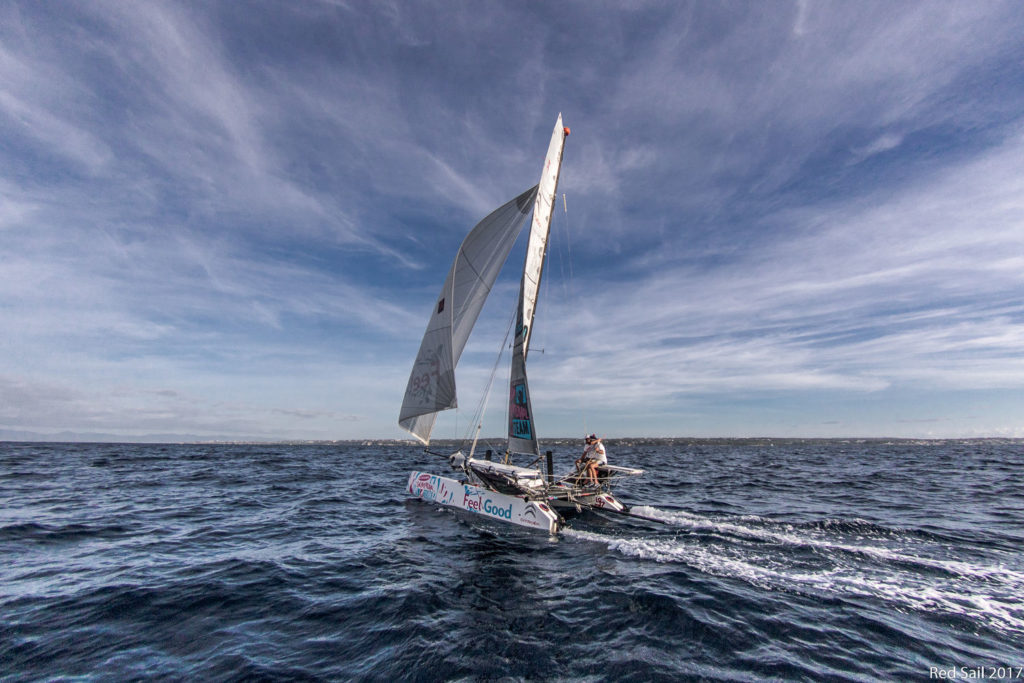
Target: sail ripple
point(431, 386)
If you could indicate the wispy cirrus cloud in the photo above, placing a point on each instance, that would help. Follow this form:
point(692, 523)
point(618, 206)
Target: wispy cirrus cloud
point(200, 205)
point(913, 290)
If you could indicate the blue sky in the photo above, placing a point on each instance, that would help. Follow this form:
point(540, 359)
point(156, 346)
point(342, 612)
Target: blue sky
point(784, 219)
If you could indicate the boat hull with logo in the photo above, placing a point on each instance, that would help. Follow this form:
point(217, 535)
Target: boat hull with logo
point(499, 506)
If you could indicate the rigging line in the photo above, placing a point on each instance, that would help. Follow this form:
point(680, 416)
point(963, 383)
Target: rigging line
point(575, 301)
point(478, 416)
point(508, 385)
point(563, 256)
point(451, 328)
point(568, 240)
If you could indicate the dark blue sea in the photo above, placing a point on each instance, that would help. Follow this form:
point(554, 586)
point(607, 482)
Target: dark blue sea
point(778, 560)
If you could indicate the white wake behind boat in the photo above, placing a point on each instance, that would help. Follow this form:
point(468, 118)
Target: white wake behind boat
point(522, 495)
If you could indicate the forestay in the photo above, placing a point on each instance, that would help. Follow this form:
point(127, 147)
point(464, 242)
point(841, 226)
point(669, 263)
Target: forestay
point(522, 435)
point(431, 386)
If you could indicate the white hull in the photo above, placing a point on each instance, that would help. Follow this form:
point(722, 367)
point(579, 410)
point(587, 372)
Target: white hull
point(499, 506)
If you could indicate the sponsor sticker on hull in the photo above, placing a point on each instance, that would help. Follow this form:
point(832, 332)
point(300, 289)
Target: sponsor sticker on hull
point(435, 488)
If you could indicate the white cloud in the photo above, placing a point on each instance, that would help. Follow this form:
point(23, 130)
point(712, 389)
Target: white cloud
point(857, 297)
point(883, 143)
point(39, 100)
point(187, 221)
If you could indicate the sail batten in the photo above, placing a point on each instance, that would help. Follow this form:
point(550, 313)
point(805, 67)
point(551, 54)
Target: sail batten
point(431, 386)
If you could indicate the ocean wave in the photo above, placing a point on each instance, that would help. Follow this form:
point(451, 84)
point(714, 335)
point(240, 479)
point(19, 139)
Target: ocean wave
point(226, 562)
point(903, 577)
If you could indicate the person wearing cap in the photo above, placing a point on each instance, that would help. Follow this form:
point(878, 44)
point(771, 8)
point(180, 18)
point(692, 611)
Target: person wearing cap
point(594, 456)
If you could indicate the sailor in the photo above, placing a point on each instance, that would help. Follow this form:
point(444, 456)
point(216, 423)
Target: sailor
point(594, 456)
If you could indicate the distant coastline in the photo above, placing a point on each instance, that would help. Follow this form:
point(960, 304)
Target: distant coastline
point(14, 436)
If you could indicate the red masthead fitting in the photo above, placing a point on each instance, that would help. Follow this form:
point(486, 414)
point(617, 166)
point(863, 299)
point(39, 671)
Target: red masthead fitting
point(566, 129)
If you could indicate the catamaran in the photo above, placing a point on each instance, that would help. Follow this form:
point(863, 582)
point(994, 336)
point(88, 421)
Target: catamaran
point(519, 494)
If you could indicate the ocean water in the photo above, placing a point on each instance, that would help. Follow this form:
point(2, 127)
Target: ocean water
point(785, 560)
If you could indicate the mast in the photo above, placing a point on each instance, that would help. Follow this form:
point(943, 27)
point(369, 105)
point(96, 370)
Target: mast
point(522, 436)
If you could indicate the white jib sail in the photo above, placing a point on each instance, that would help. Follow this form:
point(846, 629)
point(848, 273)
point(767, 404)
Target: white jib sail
point(431, 386)
point(522, 435)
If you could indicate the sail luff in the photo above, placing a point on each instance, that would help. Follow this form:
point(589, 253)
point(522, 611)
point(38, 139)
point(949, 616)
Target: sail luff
point(522, 436)
point(431, 386)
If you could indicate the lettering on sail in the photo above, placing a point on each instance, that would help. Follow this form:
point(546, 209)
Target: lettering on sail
point(521, 424)
point(423, 383)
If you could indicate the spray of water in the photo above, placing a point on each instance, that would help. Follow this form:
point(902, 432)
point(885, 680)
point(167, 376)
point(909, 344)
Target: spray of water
point(892, 567)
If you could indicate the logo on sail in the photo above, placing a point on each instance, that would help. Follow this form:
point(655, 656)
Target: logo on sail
point(521, 426)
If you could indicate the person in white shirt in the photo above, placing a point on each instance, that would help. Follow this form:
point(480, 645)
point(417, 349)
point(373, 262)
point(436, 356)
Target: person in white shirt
point(594, 455)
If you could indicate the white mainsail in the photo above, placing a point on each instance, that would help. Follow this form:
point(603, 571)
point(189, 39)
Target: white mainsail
point(522, 435)
point(431, 386)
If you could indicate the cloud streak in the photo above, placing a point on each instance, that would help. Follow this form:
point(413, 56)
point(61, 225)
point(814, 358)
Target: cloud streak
point(920, 291)
point(233, 219)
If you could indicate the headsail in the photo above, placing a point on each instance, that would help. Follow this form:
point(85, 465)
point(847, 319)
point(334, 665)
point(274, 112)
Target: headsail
point(522, 436)
point(431, 386)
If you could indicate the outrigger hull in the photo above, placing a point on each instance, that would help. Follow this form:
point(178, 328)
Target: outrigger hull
point(586, 501)
point(502, 507)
